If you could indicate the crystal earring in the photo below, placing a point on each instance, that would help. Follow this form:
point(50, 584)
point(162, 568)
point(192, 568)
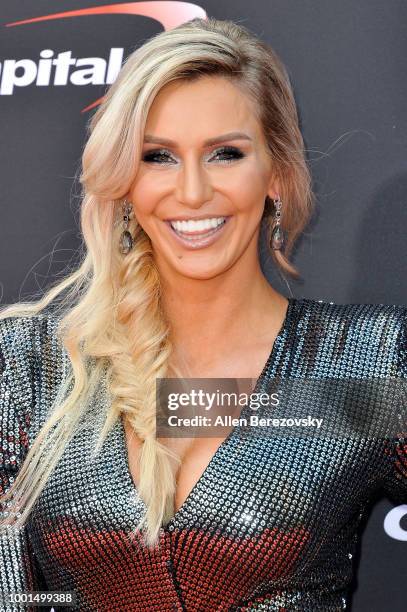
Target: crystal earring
point(277, 237)
point(126, 239)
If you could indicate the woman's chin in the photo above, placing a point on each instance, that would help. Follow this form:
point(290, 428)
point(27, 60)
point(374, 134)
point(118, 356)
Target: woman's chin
point(203, 268)
point(200, 272)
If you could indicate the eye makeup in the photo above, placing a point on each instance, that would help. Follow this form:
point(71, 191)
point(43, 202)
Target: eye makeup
point(225, 154)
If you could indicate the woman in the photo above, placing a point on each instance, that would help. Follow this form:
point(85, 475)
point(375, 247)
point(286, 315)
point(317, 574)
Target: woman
point(194, 147)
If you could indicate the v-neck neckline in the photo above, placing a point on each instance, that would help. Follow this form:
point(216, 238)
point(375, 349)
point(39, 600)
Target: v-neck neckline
point(123, 441)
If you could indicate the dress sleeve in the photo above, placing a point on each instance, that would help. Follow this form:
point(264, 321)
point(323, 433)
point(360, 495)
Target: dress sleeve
point(18, 570)
point(395, 483)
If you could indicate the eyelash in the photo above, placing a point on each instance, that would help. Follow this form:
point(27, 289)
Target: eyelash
point(152, 155)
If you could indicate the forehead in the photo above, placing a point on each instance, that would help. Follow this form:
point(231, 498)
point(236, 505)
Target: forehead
point(207, 106)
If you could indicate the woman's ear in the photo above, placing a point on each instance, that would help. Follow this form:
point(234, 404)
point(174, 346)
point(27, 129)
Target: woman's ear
point(274, 188)
point(127, 196)
point(273, 194)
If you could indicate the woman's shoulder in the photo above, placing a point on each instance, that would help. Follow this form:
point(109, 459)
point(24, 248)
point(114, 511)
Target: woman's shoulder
point(354, 311)
point(31, 360)
point(365, 333)
point(382, 319)
point(27, 343)
point(13, 326)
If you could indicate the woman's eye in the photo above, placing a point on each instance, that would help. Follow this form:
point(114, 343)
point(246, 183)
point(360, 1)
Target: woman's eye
point(157, 157)
point(229, 154)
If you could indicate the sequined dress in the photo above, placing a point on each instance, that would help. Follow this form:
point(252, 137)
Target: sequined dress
point(272, 522)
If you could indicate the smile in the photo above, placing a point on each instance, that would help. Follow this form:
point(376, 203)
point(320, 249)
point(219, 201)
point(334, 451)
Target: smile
point(201, 225)
point(199, 233)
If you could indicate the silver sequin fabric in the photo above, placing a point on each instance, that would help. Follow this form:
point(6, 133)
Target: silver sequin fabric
point(271, 524)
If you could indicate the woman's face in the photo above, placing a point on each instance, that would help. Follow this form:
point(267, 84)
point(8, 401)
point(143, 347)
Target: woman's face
point(203, 178)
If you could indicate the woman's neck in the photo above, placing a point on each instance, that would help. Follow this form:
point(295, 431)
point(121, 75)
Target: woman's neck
point(214, 316)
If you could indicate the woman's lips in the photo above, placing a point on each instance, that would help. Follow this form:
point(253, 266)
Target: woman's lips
point(198, 239)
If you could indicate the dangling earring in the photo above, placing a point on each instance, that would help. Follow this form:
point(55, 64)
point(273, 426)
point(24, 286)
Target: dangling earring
point(126, 239)
point(277, 237)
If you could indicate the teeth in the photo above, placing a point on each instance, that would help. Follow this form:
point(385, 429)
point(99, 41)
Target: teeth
point(197, 226)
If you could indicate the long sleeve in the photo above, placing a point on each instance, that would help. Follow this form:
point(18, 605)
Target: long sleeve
point(18, 571)
point(395, 483)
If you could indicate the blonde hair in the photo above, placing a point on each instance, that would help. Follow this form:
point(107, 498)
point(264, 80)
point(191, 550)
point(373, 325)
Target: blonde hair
point(111, 310)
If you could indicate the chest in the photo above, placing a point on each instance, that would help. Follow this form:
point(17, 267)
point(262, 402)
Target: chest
point(195, 455)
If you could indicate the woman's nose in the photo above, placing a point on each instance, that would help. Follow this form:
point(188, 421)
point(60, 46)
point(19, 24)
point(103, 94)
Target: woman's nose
point(193, 186)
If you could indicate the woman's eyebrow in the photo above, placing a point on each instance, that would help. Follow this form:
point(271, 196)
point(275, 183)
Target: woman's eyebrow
point(149, 138)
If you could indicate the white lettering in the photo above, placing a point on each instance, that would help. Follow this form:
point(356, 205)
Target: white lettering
point(115, 64)
point(11, 79)
point(57, 71)
point(44, 68)
point(62, 63)
point(392, 523)
point(94, 75)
